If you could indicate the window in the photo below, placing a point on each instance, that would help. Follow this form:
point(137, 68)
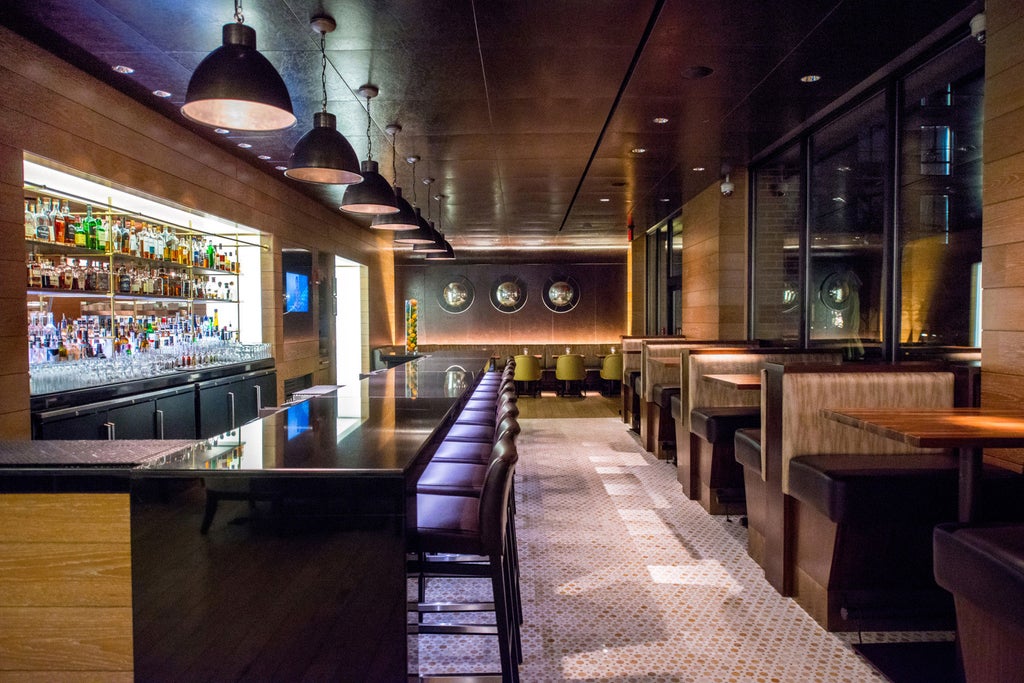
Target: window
point(883, 254)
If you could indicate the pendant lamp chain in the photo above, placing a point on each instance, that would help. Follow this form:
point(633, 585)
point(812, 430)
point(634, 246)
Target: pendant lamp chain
point(369, 140)
point(323, 71)
point(239, 17)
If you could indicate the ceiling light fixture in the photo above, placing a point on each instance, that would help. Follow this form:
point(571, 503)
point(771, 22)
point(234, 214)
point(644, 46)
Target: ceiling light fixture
point(237, 87)
point(421, 234)
point(122, 69)
point(437, 246)
point(638, 150)
point(660, 120)
point(698, 169)
point(810, 78)
point(323, 155)
point(162, 93)
point(405, 219)
point(374, 195)
point(245, 145)
point(264, 157)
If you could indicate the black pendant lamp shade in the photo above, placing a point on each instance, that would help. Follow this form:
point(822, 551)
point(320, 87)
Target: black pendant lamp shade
point(435, 247)
point(447, 255)
point(421, 234)
point(237, 88)
point(405, 219)
point(323, 155)
point(373, 196)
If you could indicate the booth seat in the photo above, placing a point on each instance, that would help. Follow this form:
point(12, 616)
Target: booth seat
point(848, 538)
point(983, 568)
point(747, 451)
point(712, 432)
point(697, 393)
point(632, 367)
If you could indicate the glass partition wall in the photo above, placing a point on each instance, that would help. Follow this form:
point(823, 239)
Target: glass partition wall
point(867, 230)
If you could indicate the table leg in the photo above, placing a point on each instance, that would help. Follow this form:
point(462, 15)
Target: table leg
point(970, 483)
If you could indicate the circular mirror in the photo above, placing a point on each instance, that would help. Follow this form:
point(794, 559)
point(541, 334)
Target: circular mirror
point(456, 296)
point(508, 294)
point(561, 293)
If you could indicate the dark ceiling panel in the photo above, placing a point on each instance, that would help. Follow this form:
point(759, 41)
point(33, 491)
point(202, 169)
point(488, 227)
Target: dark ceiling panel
point(505, 101)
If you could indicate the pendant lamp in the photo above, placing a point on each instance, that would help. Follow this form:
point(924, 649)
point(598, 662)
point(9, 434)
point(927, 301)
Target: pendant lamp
point(434, 247)
point(421, 234)
point(323, 155)
point(374, 195)
point(405, 219)
point(237, 88)
point(447, 255)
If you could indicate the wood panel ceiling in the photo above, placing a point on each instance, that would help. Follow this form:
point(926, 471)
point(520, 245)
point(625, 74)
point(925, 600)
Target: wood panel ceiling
point(528, 114)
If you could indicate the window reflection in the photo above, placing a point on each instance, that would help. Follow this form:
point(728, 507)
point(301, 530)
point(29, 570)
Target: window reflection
point(776, 273)
point(847, 227)
point(940, 187)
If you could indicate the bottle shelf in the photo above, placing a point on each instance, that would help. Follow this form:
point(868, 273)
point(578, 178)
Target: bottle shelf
point(67, 293)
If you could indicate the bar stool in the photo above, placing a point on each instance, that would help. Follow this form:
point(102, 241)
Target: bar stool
point(481, 433)
point(488, 417)
point(470, 525)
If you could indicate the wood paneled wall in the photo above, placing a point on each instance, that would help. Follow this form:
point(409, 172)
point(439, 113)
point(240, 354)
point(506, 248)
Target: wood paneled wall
point(1002, 346)
point(65, 587)
point(715, 262)
point(54, 110)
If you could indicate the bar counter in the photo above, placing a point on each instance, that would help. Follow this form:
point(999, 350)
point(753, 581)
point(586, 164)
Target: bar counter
point(275, 551)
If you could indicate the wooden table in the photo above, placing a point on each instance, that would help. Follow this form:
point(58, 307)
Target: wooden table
point(969, 430)
point(744, 382)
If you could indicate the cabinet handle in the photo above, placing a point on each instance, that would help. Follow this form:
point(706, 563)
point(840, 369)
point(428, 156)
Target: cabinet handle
point(259, 397)
point(111, 427)
point(160, 424)
point(231, 407)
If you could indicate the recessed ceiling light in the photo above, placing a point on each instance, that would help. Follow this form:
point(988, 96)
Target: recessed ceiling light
point(660, 119)
point(698, 169)
point(264, 157)
point(638, 150)
point(697, 72)
point(281, 168)
point(221, 131)
point(844, 169)
point(122, 69)
point(162, 93)
point(605, 199)
point(664, 199)
point(244, 145)
point(810, 78)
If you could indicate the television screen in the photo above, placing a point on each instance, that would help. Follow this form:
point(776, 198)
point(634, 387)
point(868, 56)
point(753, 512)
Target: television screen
point(298, 419)
point(296, 293)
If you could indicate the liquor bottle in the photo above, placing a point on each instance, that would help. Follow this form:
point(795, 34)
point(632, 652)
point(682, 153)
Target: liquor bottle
point(102, 232)
point(58, 224)
point(70, 224)
point(48, 213)
point(67, 276)
point(30, 220)
point(89, 223)
point(35, 274)
point(81, 234)
point(42, 228)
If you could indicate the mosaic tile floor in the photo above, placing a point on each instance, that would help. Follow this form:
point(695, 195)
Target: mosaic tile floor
point(624, 579)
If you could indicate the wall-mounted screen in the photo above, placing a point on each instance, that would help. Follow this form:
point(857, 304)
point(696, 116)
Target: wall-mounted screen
point(296, 293)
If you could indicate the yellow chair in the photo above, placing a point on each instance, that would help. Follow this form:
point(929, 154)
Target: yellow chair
point(611, 373)
point(568, 369)
point(528, 372)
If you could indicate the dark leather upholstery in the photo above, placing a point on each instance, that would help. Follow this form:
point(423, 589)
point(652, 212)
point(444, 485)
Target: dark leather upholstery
point(717, 424)
point(452, 478)
point(663, 394)
point(904, 489)
point(449, 524)
point(984, 565)
point(482, 433)
point(747, 442)
point(676, 407)
point(463, 451)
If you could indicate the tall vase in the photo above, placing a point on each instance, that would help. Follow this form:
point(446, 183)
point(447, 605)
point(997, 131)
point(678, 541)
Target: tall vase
point(411, 320)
